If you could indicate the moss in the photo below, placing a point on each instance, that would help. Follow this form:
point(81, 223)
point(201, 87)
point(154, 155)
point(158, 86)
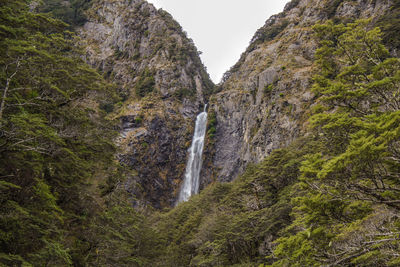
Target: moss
point(211, 132)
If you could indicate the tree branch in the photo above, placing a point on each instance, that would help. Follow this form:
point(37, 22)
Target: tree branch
point(9, 79)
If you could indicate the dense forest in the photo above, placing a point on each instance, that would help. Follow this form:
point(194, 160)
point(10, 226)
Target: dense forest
point(330, 198)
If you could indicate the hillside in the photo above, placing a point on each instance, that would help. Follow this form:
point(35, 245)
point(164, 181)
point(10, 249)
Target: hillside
point(266, 97)
point(329, 198)
point(302, 157)
point(162, 84)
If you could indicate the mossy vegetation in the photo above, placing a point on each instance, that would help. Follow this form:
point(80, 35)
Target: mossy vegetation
point(330, 198)
point(226, 224)
point(264, 34)
point(54, 140)
point(268, 88)
point(311, 203)
point(70, 11)
point(331, 7)
point(268, 33)
point(145, 84)
point(182, 93)
point(211, 126)
point(389, 23)
point(337, 200)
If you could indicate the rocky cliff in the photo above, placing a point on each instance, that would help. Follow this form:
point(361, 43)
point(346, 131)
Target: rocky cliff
point(262, 103)
point(265, 98)
point(162, 85)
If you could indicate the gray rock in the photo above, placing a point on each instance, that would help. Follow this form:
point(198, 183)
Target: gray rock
point(266, 97)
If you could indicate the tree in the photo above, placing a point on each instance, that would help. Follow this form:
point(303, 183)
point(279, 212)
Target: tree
point(70, 11)
point(54, 139)
point(351, 187)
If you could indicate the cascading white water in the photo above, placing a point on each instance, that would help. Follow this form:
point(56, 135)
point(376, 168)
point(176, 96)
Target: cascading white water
point(191, 181)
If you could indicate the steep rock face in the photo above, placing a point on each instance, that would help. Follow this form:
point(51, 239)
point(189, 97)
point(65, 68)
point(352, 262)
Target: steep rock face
point(266, 97)
point(162, 84)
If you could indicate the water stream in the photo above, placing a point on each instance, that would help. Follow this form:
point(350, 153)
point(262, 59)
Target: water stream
point(191, 181)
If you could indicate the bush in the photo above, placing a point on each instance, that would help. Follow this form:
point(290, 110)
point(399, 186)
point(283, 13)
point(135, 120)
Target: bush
point(145, 85)
point(268, 89)
point(107, 107)
point(139, 119)
point(70, 11)
point(211, 125)
point(182, 93)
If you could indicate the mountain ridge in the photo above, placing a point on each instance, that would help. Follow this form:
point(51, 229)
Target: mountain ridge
point(272, 80)
point(301, 160)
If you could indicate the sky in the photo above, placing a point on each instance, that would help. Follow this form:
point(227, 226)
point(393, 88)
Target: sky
point(221, 29)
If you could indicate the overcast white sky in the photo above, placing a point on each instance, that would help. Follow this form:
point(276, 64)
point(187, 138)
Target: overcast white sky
point(221, 29)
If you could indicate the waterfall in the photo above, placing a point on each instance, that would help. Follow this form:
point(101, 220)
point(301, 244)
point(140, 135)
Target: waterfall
point(191, 181)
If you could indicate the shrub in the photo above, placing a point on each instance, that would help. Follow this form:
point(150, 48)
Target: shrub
point(182, 93)
point(145, 85)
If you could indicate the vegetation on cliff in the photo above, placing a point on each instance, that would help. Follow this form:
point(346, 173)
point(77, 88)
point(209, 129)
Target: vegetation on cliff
point(330, 198)
point(55, 145)
point(70, 11)
point(161, 82)
point(347, 212)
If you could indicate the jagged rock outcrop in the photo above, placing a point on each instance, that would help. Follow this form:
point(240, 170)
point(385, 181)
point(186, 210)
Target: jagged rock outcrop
point(266, 96)
point(162, 84)
point(262, 104)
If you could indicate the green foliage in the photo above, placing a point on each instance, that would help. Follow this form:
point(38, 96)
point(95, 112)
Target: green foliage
point(211, 125)
point(182, 93)
point(226, 224)
point(389, 23)
point(330, 8)
point(350, 181)
point(121, 236)
point(70, 11)
point(54, 139)
point(145, 84)
point(139, 119)
point(329, 199)
point(268, 33)
point(107, 107)
point(268, 89)
point(145, 145)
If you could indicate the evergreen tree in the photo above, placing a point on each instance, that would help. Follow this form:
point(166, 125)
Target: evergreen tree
point(351, 186)
point(53, 138)
point(70, 11)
